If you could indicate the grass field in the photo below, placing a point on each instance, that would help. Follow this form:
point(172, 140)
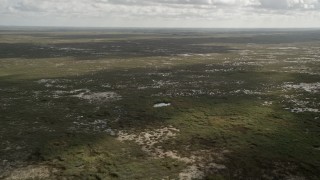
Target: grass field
point(159, 104)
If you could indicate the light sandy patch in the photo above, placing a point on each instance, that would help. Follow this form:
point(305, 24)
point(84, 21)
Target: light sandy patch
point(246, 91)
point(285, 48)
point(98, 96)
point(149, 138)
point(158, 84)
point(198, 163)
point(204, 163)
point(191, 172)
point(300, 110)
point(106, 85)
point(161, 105)
point(173, 155)
point(62, 93)
point(220, 70)
point(198, 171)
point(160, 74)
point(267, 103)
point(53, 83)
point(79, 90)
point(300, 106)
point(31, 172)
point(44, 81)
point(185, 55)
point(309, 87)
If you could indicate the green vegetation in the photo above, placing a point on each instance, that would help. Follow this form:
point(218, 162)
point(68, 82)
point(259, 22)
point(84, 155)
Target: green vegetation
point(243, 105)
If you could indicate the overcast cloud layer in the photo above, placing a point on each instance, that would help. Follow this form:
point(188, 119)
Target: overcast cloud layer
point(161, 13)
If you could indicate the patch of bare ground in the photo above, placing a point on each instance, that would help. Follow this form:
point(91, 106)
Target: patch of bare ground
point(31, 172)
point(199, 163)
point(308, 87)
point(99, 96)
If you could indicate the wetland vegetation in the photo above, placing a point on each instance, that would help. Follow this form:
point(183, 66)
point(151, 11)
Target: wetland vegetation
point(159, 104)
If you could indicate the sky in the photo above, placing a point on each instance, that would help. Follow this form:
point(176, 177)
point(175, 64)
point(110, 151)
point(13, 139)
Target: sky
point(162, 13)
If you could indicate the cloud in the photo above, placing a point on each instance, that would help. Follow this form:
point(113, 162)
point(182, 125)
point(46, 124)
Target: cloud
point(163, 11)
point(291, 4)
point(269, 4)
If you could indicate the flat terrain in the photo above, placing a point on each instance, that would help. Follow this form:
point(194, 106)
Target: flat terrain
point(159, 104)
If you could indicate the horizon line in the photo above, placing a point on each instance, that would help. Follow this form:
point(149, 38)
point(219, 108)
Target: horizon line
point(150, 27)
